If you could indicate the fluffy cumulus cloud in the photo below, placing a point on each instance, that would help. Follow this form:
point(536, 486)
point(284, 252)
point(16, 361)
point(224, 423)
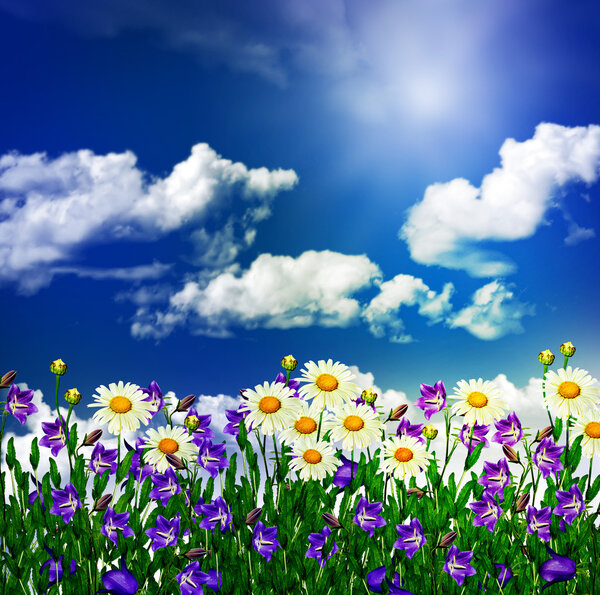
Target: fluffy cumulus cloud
point(448, 225)
point(51, 207)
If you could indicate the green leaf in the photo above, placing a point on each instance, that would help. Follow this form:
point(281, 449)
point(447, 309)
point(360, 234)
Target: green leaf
point(125, 466)
point(146, 488)
point(243, 436)
point(72, 438)
point(452, 487)
point(474, 456)
point(11, 455)
point(558, 426)
point(593, 489)
point(463, 497)
point(54, 474)
point(208, 491)
point(230, 474)
point(100, 483)
point(34, 457)
point(78, 478)
point(574, 453)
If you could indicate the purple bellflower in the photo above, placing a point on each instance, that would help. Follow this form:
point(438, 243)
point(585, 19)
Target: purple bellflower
point(216, 513)
point(264, 540)
point(155, 397)
point(18, 402)
point(570, 504)
point(103, 459)
point(547, 457)
point(457, 565)
point(165, 533)
point(487, 512)
point(539, 521)
point(505, 574)
point(203, 432)
point(557, 569)
point(55, 572)
point(375, 580)
point(235, 417)
point(509, 430)
point(318, 541)
point(191, 579)
point(165, 486)
point(496, 477)
point(66, 502)
point(211, 456)
point(138, 472)
point(119, 582)
point(406, 429)
point(479, 435)
point(54, 436)
point(433, 399)
point(35, 494)
point(293, 383)
point(113, 521)
point(341, 479)
point(367, 516)
point(411, 537)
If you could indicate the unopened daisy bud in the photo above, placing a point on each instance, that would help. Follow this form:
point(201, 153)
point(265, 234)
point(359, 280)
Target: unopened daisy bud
point(186, 403)
point(447, 540)
point(522, 502)
point(289, 363)
point(369, 396)
point(417, 491)
point(175, 461)
point(546, 357)
point(567, 349)
point(545, 433)
point(430, 432)
point(103, 502)
point(197, 553)
point(399, 412)
point(8, 379)
point(253, 516)
point(91, 438)
point(331, 521)
point(58, 367)
point(191, 422)
point(72, 396)
point(510, 453)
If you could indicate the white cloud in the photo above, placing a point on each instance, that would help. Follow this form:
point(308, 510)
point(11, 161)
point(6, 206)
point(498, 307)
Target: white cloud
point(493, 313)
point(52, 207)
point(136, 273)
point(447, 226)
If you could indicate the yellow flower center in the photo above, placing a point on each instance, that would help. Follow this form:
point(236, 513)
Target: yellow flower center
point(120, 404)
point(269, 404)
point(568, 390)
point(403, 454)
point(306, 425)
point(354, 423)
point(593, 429)
point(477, 399)
point(312, 456)
point(168, 446)
point(327, 382)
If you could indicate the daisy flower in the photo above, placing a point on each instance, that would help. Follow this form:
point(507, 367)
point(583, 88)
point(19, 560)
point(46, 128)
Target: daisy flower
point(481, 402)
point(123, 406)
point(314, 460)
point(570, 392)
point(328, 383)
point(404, 456)
point(356, 425)
point(273, 406)
point(168, 441)
point(306, 425)
point(588, 425)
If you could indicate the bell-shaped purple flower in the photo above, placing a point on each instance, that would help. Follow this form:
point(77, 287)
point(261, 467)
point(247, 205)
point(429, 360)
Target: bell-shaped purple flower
point(293, 383)
point(264, 540)
point(539, 521)
point(165, 533)
point(487, 512)
point(211, 456)
point(138, 472)
point(216, 513)
point(496, 477)
point(165, 486)
point(155, 397)
point(558, 569)
point(367, 516)
point(191, 579)
point(411, 537)
point(55, 572)
point(18, 403)
point(570, 504)
point(103, 459)
point(479, 435)
point(66, 502)
point(235, 417)
point(505, 574)
point(433, 399)
point(375, 580)
point(509, 430)
point(119, 582)
point(457, 564)
point(547, 457)
point(318, 548)
point(113, 521)
point(341, 479)
point(203, 432)
point(405, 428)
point(54, 436)
point(35, 494)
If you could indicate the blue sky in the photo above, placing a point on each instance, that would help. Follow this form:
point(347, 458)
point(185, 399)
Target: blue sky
point(188, 194)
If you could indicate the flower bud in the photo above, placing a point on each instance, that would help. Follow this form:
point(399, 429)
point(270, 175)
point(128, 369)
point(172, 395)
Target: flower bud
point(417, 491)
point(186, 403)
point(58, 367)
point(525, 551)
point(546, 357)
point(331, 521)
point(545, 433)
point(399, 412)
point(197, 553)
point(253, 516)
point(369, 396)
point(175, 462)
point(447, 540)
point(510, 453)
point(103, 502)
point(72, 396)
point(522, 502)
point(289, 363)
point(242, 393)
point(191, 422)
point(430, 432)
point(92, 438)
point(8, 379)
point(567, 349)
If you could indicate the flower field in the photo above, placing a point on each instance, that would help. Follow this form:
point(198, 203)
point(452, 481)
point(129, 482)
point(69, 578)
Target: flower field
point(286, 511)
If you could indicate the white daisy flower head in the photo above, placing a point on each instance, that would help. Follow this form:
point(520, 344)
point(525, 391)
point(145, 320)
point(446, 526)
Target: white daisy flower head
point(356, 425)
point(123, 406)
point(588, 426)
point(570, 392)
point(328, 384)
point(272, 406)
point(404, 456)
point(168, 441)
point(479, 402)
point(306, 424)
point(313, 460)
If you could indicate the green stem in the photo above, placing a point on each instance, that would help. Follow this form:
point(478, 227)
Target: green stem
point(319, 430)
point(62, 422)
point(544, 395)
point(276, 454)
point(590, 473)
